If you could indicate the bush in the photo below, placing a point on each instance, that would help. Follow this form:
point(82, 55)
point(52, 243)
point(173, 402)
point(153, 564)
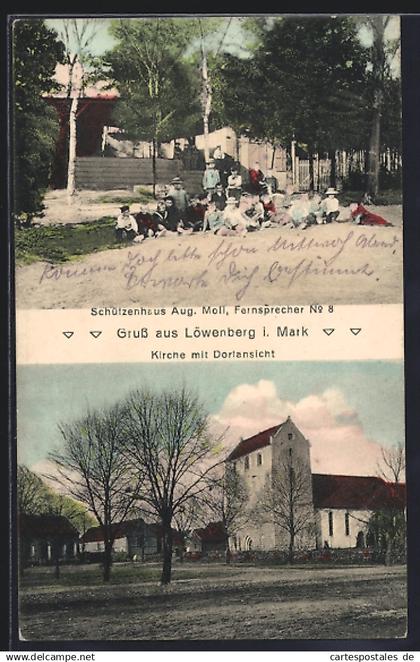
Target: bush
point(391, 197)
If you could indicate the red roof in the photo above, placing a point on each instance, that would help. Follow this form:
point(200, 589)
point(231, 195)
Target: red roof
point(95, 534)
point(213, 532)
point(356, 492)
point(121, 530)
point(250, 444)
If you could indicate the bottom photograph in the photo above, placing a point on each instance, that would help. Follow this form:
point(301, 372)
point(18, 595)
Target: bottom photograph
point(245, 500)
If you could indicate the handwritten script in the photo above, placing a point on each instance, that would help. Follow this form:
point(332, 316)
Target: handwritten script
point(233, 263)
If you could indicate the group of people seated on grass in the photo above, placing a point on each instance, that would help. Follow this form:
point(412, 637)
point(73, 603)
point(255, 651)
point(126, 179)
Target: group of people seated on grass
point(229, 209)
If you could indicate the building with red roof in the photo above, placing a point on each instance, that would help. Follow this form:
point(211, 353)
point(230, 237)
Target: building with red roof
point(325, 510)
point(135, 538)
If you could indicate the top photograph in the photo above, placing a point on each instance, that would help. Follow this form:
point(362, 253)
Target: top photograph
point(212, 160)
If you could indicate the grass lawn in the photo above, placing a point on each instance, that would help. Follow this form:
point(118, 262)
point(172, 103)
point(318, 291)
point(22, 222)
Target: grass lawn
point(214, 601)
point(60, 243)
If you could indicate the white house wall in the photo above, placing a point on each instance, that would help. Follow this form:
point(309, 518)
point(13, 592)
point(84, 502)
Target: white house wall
point(357, 522)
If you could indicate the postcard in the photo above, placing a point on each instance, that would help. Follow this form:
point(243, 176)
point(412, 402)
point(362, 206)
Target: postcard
point(208, 238)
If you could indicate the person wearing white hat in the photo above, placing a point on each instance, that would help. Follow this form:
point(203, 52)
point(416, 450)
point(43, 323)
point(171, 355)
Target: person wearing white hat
point(234, 219)
point(330, 205)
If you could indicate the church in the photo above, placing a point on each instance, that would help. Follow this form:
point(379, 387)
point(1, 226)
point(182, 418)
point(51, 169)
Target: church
point(284, 496)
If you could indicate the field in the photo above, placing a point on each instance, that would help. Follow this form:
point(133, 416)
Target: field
point(214, 601)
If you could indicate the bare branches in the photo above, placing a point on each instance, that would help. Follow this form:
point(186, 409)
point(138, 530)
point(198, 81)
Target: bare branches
point(95, 471)
point(167, 440)
point(166, 436)
point(393, 463)
point(286, 501)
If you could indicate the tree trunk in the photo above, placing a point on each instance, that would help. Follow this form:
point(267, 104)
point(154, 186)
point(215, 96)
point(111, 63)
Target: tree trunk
point(311, 171)
point(57, 561)
point(374, 147)
point(378, 71)
point(71, 170)
point(291, 548)
point(167, 552)
point(333, 168)
point(228, 555)
point(207, 99)
point(154, 175)
point(107, 563)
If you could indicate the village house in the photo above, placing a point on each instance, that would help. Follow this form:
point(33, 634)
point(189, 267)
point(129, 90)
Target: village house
point(44, 539)
point(135, 539)
point(209, 541)
point(334, 510)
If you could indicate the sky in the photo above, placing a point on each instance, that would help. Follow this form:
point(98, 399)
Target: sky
point(347, 410)
point(231, 32)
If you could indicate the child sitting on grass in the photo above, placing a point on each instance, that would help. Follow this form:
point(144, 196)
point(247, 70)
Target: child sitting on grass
point(126, 227)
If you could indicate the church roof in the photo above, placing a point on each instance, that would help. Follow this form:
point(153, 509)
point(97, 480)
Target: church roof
point(356, 492)
point(250, 444)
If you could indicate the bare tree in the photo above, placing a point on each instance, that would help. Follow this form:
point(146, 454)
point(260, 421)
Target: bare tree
point(286, 501)
point(387, 526)
point(168, 442)
point(185, 520)
point(95, 471)
point(226, 501)
point(392, 468)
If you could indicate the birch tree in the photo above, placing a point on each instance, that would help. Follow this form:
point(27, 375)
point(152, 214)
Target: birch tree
point(158, 95)
point(77, 35)
point(382, 53)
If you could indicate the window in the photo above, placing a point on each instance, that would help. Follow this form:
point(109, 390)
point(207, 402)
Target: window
point(290, 452)
point(290, 436)
point(330, 523)
point(259, 460)
point(234, 467)
point(247, 462)
point(248, 543)
point(347, 523)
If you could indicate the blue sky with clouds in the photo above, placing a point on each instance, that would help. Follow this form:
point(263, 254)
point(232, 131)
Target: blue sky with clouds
point(372, 391)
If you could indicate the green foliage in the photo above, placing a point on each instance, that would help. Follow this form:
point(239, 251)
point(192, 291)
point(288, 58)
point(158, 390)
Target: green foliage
point(36, 52)
point(76, 513)
point(387, 530)
point(31, 492)
point(36, 498)
point(306, 80)
point(158, 89)
point(389, 197)
point(60, 243)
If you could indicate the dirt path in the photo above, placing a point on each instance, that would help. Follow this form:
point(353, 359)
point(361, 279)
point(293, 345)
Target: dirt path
point(255, 603)
point(338, 264)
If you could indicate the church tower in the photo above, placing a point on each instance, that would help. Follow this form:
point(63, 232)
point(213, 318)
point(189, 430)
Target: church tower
point(291, 479)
